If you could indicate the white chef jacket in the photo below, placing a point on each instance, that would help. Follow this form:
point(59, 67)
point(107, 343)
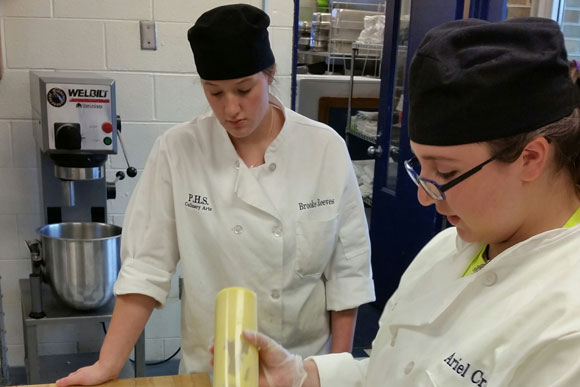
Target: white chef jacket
point(293, 230)
point(516, 322)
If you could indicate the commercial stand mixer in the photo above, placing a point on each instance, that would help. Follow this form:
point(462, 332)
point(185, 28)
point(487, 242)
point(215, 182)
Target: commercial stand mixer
point(76, 128)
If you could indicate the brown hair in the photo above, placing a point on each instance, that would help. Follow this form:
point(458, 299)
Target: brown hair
point(270, 72)
point(564, 134)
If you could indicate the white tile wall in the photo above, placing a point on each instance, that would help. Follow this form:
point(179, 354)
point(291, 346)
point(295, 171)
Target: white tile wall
point(15, 94)
point(5, 148)
point(179, 97)
point(27, 226)
point(124, 52)
point(188, 11)
point(135, 96)
point(24, 152)
point(279, 38)
point(19, 193)
point(281, 13)
point(116, 219)
point(29, 8)
point(166, 321)
point(9, 237)
point(155, 90)
point(13, 323)
point(281, 88)
point(103, 9)
point(11, 271)
point(52, 43)
point(138, 139)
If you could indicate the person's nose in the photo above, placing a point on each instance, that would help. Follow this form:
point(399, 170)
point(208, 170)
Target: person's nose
point(232, 106)
point(424, 198)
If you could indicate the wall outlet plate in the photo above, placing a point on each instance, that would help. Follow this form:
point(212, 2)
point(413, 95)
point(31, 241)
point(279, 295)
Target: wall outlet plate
point(148, 30)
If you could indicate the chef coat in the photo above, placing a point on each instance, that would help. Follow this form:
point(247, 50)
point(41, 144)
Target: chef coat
point(293, 230)
point(516, 322)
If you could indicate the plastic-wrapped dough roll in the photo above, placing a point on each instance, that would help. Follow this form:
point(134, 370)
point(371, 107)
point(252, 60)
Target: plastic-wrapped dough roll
point(235, 361)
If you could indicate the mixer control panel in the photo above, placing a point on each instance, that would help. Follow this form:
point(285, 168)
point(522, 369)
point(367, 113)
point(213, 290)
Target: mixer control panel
point(75, 114)
point(67, 135)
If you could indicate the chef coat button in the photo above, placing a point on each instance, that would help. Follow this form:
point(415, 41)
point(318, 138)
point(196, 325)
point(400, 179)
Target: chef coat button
point(272, 167)
point(277, 231)
point(394, 339)
point(275, 294)
point(409, 367)
point(237, 164)
point(238, 229)
point(490, 279)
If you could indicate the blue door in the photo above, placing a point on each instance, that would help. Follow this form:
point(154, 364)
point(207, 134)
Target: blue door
point(400, 226)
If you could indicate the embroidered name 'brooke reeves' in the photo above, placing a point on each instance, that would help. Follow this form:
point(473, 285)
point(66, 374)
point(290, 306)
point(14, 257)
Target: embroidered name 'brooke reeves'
point(462, 369)
point(315, 203)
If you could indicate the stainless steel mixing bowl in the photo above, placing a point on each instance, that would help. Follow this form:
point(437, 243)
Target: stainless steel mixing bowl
point(81, 261)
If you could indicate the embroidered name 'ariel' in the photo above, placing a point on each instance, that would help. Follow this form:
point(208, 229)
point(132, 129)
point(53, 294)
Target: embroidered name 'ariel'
point(462, 368)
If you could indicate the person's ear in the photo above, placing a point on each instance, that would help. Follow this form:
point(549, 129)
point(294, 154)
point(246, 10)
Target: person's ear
point(534, 158)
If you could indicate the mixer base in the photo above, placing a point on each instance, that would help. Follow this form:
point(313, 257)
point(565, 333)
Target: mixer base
point(38, 368)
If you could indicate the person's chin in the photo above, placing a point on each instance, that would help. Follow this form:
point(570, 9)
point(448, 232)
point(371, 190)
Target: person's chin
point(465, 234)
point(238, 132)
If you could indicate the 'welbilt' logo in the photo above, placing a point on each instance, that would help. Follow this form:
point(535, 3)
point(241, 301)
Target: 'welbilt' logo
point(89, 95)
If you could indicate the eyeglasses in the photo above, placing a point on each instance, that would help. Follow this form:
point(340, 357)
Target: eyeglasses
point(433, 189)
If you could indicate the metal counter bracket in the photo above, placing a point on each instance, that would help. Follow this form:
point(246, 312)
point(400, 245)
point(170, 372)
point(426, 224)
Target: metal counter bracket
point(58, 313)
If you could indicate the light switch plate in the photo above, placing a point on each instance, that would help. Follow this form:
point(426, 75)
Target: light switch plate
point(148, 29)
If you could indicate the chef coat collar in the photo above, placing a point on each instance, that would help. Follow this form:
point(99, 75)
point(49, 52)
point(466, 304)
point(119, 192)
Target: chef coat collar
point(425, 307)
point(281, 137)
point(247, 187)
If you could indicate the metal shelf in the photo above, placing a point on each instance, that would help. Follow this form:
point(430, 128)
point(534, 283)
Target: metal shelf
point(368, 201)
point(367, 137)
point(366, 46)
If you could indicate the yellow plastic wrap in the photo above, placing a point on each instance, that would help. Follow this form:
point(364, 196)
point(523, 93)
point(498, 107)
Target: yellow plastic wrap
point(235, 361)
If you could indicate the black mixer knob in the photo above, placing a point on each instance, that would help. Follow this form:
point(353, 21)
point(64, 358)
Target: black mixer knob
point(67, 135)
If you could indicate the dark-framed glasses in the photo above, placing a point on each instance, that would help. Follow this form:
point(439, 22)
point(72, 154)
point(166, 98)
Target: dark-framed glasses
point(434, 189)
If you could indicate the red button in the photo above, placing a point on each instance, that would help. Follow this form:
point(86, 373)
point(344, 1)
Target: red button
point(107, 127)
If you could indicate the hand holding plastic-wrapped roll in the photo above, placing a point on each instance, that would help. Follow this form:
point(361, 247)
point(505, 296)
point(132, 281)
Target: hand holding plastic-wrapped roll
point(235, 360)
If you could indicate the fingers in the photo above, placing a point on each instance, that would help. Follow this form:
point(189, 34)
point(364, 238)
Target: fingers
point(269, 351)
point(68, 380)
point(258, 339)
point(86, 376)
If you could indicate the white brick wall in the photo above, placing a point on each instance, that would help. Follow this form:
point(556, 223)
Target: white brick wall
point(155, 90)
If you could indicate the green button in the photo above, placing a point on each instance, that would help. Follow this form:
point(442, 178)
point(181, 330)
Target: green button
point(107, 140)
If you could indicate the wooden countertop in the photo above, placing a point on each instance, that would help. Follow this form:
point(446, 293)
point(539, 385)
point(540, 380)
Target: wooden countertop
point(191, 380)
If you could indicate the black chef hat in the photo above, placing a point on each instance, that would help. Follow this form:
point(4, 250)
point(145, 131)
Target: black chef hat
point(230, 42)
point(473, 81)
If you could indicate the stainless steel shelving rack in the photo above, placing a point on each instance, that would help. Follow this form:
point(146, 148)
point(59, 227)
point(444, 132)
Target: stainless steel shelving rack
point(374, 51)
point(365, 52)
point(339, 46)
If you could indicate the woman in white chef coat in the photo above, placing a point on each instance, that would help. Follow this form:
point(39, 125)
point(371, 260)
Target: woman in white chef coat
point(250, 194)
point(493, 301)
